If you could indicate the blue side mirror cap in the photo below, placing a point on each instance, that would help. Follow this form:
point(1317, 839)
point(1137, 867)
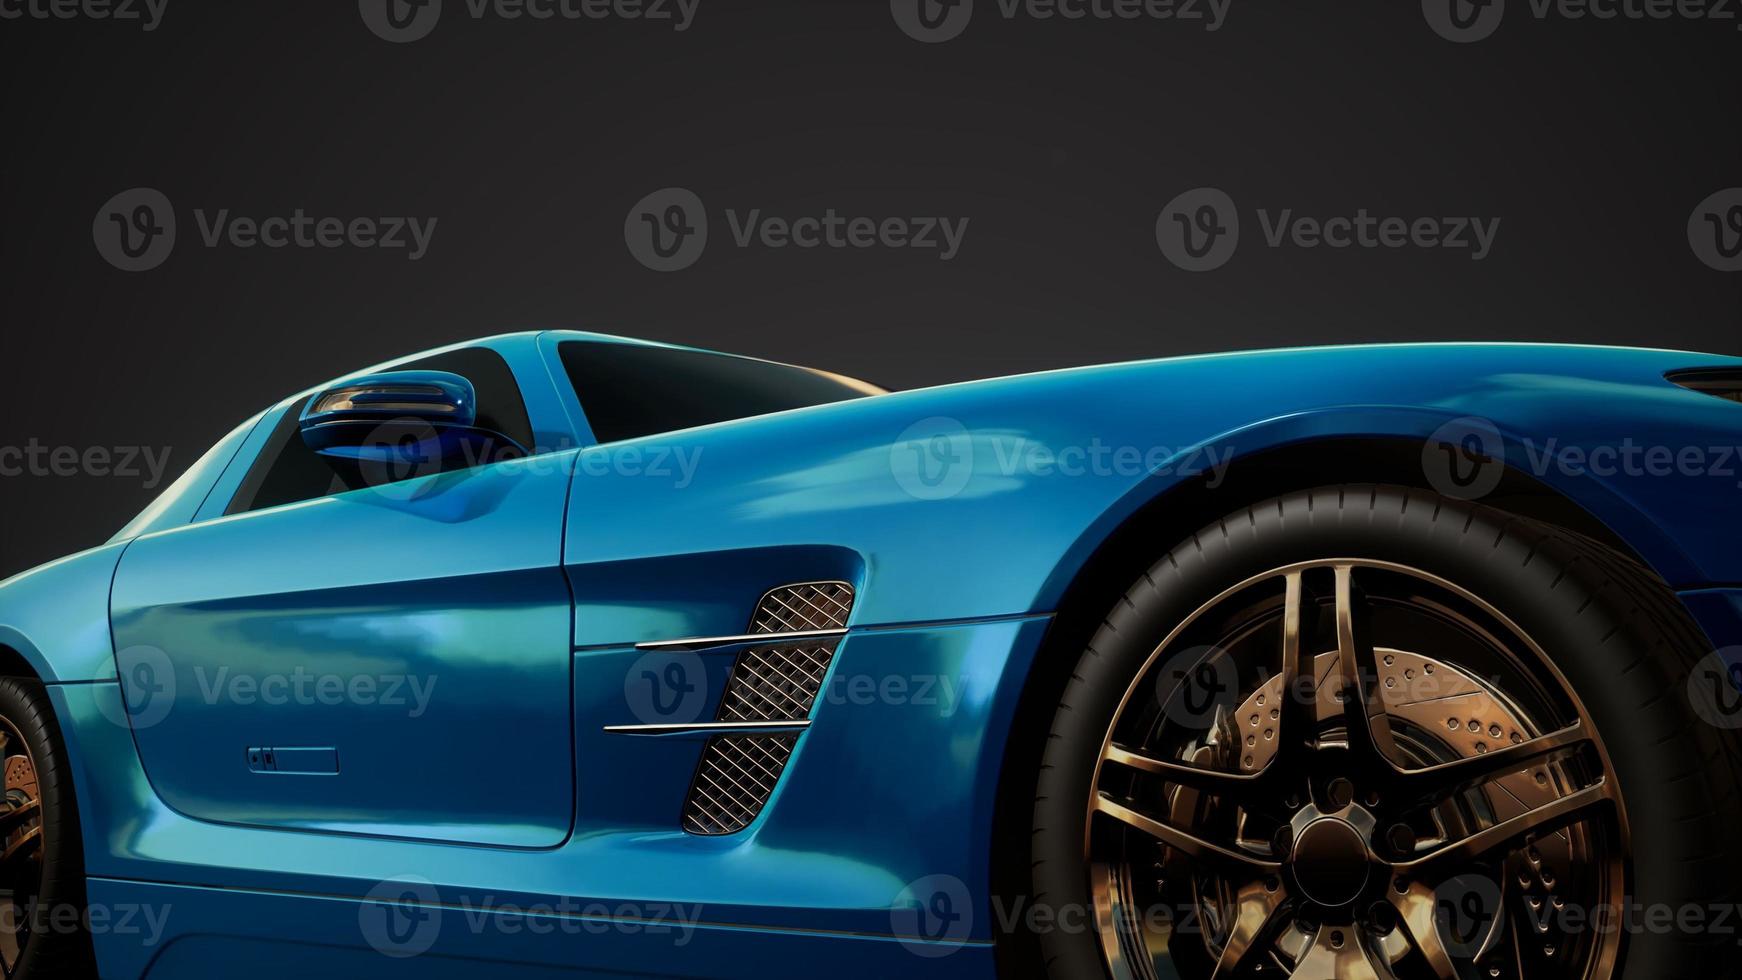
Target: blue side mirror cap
point(398, 417)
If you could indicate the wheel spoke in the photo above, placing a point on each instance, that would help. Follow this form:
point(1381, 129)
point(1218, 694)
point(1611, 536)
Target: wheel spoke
point(1415, 908)
point(1214, 855)
point(1436, 782)
point(1212, 781)
point(1299, 722)
point(12, 819)
point(1345, 961)
point(1255, 919)
point(1363, 707)
point(22, 847)
point(1544, 819)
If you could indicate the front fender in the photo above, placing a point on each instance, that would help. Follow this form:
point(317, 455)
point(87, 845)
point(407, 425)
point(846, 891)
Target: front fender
point(56, 616)
point(1658, 521)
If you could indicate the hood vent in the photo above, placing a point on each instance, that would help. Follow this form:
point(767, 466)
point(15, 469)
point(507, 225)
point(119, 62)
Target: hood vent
point(1722, 382)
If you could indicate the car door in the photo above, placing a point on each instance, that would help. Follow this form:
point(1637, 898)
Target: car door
point(389, 660)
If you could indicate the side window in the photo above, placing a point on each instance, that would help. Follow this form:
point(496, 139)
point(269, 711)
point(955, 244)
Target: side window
point(287, 471)
point(628, 390)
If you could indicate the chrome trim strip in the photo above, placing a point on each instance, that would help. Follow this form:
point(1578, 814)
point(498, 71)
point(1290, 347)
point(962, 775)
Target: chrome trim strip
point(710, 727)
point(720, 641)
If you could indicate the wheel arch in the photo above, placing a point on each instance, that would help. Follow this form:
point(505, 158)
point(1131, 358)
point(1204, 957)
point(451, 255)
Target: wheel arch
point(1155, 525)
point(19, 657)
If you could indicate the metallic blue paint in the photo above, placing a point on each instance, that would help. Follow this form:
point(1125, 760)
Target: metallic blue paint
point(411, 655)
point(523, 587)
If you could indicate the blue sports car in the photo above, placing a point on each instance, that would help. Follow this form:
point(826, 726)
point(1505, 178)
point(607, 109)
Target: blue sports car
point(559, 654)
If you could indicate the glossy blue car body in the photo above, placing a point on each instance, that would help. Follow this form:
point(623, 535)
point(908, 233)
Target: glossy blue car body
point(483, 819)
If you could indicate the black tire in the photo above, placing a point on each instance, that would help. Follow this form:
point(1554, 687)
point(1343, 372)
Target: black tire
point(52, 950)
point(1619, 636)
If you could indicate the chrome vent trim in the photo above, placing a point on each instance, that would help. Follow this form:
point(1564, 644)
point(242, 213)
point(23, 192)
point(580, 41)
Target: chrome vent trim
point(707, 727)
point(736, 776)
point(740, 639)
point(804, 606)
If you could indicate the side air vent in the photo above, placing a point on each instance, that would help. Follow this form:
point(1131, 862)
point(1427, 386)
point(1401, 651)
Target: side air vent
point(734, 781)
point(777, 682)
point(1720, 382)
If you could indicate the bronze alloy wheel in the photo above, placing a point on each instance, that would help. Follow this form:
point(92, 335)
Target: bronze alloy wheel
point(20, 845)
point(1399, 751)
point(1371, 732)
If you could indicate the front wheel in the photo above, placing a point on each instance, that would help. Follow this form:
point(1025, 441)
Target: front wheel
point(1369, 732)
point(44, 932)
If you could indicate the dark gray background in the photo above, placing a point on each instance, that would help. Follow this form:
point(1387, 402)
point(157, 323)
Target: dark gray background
point(1060, 140)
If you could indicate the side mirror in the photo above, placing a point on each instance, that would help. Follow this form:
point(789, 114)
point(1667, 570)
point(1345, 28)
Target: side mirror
point(409, 421)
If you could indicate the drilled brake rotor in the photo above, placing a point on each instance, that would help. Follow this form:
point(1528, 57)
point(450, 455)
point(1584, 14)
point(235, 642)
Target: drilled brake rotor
point(1441, 705)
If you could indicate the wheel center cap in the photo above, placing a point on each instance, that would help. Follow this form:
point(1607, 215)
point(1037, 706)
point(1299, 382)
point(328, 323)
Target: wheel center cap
point(1330, 862)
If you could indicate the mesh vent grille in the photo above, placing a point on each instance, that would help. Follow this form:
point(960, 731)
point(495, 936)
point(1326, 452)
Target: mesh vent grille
point(734, 780)
point(809, 606)
point(780, 682)
point(776, 683)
